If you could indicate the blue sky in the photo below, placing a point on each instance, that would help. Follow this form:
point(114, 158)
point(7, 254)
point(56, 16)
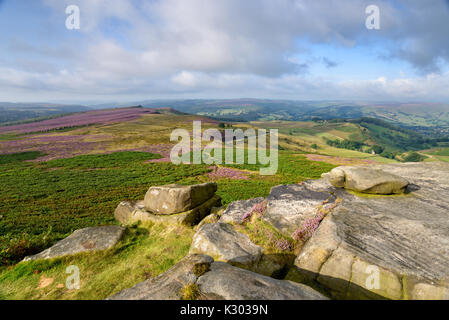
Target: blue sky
point(128, 50)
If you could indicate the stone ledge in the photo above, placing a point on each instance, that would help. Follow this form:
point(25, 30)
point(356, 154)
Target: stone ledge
point(130, 212)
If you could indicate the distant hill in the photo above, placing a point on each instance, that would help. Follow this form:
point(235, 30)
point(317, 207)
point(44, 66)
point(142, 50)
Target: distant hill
point(365, 135)
point(18, 112)
point(83, 119)
point(428, 119)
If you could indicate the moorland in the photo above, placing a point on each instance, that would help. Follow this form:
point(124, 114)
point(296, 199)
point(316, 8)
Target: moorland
point(70, 172)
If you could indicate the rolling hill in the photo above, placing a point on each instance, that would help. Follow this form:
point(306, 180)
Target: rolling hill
point(13, 113)
point(429, 119)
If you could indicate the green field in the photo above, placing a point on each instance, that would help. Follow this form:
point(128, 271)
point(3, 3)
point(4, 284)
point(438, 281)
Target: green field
point(44, 202)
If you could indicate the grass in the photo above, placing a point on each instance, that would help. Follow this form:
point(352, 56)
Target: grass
point(45, 202)
point(265, 235)
point(101, 161)
point(191, 292)
point(440, 152)
point(42, 203)
point(17, 157)
point(140, 255)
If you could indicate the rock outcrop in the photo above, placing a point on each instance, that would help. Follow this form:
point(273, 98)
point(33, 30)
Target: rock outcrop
point(82, 240)
point(237, 209)
point(128, 212)
point(186, 205)
point(215, 280)
point(225, 282)
point(168, 285)
point(173, 198)
point(388, 240)
point(373, 246)
point(366, 180)
point(288, 206)
point(223, 243)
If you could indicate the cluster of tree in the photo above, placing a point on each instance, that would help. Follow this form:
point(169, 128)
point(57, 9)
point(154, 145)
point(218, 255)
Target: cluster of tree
point(346, 144)
point(414, 157)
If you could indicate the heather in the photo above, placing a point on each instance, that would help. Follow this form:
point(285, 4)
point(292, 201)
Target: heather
point(55, 146)
point(229, 173)
point(257, 209)
point(311, 225)
point(56, 182)
point(45, 201)
point(265, 235)
point(102, 117)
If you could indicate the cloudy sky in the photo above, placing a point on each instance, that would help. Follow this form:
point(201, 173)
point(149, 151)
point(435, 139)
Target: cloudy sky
point(292, 49)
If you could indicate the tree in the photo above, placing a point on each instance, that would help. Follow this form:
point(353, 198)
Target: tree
point(377, 149)
point(414, 157)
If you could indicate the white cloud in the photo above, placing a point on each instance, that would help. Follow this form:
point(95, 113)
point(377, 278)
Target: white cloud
point(232, 48)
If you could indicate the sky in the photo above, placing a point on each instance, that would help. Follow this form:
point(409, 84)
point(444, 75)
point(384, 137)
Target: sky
point(130, 50)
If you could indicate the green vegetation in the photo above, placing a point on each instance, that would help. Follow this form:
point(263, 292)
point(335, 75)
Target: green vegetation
point(17, 157)
point(45, 202)
point(441, 152)
point(265, 235)
point(191, 292)
point(101, 161)
point(414, 157)
point(393, 137)
point(42, 203)
point(346, 144)
point(138, 256)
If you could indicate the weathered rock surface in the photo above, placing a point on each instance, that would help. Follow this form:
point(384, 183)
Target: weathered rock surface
point(211, 218)
point(223, 243)
point(124, 211)
point(168, 285)
point(130, 212)
point(288, 206)
point(215, 280)
point(226, 282)
point(173, 198)
point(366, 180)
point(237, 209)
point(404, 239)
point(82, 240)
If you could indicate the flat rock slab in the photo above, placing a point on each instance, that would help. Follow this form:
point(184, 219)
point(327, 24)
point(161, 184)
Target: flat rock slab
point(237, 209)
point(168, 285)
point(404, 237)
point(173, 198)
point(366, 180)
point(226, 282)
point(223, 243)
point(288, 206)
point(82, 240)
point(128, 212)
